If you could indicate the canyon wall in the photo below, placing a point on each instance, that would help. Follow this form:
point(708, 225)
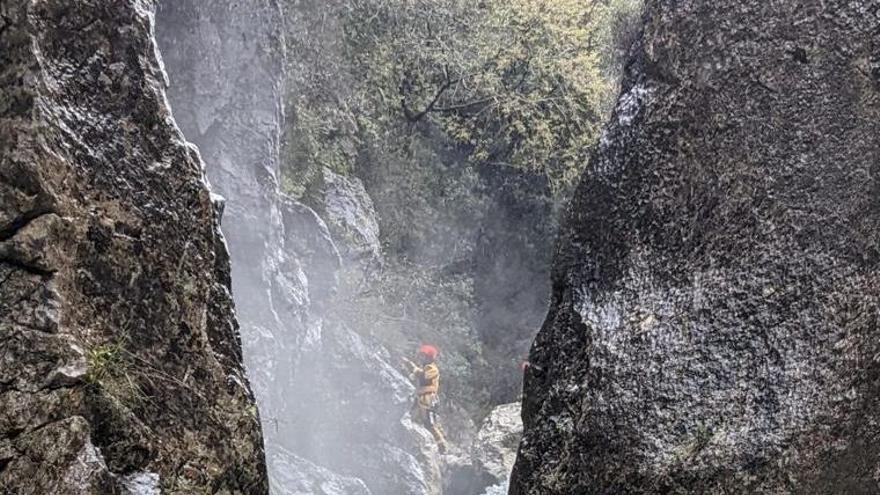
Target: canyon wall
point(332, 406)
point(120, 362)
point(714, 319)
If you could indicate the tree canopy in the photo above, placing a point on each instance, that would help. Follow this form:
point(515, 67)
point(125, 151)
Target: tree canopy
point(522, 83)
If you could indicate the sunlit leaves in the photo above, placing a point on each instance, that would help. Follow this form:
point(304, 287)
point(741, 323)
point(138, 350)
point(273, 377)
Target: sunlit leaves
point(520, 83)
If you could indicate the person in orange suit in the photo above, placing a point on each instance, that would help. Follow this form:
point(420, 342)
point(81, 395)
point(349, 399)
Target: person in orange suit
point(426, 377)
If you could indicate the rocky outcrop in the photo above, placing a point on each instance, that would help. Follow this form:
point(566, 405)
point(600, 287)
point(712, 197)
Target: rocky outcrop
point(355, 420)
point(494, 448)
point(484, 468)
point(294, 475)
point(331, 404)
point(120, 363)
point(713, 327)
point(225, 60)
point(351, 217)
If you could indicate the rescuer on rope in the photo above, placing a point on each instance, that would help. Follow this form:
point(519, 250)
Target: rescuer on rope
point(427, 380)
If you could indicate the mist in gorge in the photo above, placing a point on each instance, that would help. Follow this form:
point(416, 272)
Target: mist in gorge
point(419, 247)
point(392, 174)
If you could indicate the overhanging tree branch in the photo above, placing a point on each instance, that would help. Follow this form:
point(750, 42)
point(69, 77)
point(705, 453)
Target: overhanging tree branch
point(415, 117)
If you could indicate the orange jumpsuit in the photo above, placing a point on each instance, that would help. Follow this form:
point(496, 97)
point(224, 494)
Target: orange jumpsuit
point(427, 380)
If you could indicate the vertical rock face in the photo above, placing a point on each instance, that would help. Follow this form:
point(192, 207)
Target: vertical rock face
point(485, 467)
point(714, 323)
point(331, 404)
point(225, 61)
point(120, 366)
point(353, 418)
point(351, 219)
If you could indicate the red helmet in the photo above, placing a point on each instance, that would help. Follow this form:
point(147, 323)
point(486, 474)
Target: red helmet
point(429, 351)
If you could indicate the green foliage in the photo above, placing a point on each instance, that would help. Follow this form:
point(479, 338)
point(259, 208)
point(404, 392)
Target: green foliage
point(103, 361)
point(326, 117)
point(112, 375)
point(522, 83)
point(427, 198)
point(424, 100)
point(418, 98)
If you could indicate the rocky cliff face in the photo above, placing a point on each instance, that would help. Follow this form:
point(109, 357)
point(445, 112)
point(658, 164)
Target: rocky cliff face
point(484, 467)
point(120, 366)
point(715, 311)
point(351, 218)
point(225, 61)
point(332, 406)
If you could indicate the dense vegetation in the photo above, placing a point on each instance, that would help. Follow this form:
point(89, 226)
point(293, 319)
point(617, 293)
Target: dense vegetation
point(522, 83)
point(468, 121)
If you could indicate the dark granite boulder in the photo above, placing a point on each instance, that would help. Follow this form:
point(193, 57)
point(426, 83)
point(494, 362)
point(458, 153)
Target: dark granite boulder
point(714, 321)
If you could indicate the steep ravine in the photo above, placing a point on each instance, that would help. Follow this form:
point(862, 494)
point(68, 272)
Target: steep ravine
point(119, 325)
point(332, 406)
point(120, 362)
point(714, 322)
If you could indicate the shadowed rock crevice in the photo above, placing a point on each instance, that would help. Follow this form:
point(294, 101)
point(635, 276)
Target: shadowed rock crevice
point(15, 225)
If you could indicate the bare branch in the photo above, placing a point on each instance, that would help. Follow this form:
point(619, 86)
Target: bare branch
point(415, 117)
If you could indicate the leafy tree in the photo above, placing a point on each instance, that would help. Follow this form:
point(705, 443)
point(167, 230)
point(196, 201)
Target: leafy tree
point(523, 83)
